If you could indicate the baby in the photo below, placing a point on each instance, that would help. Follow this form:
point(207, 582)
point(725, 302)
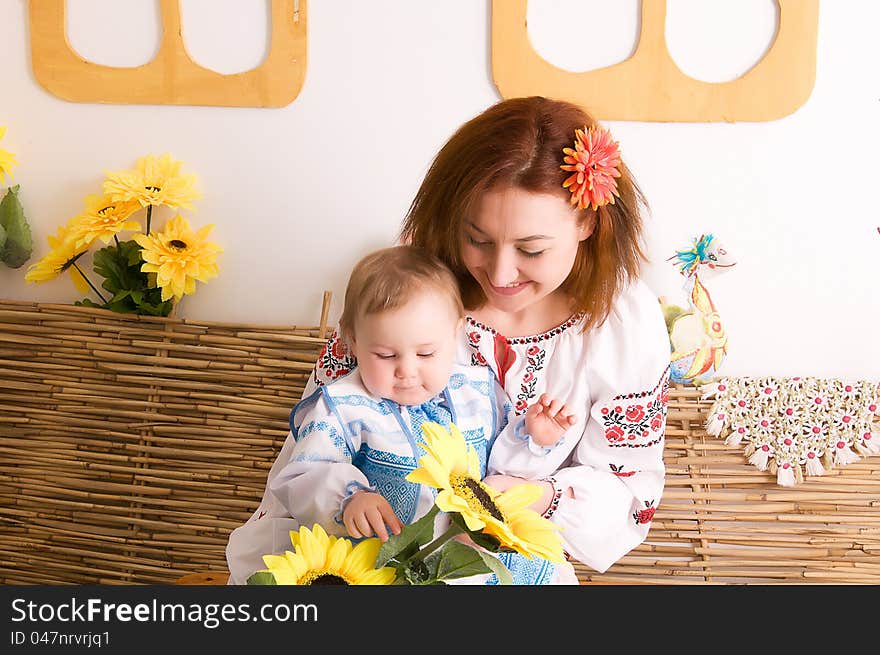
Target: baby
point(353, 441)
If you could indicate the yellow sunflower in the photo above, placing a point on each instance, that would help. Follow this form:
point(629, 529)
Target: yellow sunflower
point(319, 559)
point(61, 257)
point(155, 181)
point(103, 219)
point(179, 257)
point(7, 159)
point(453, 468)
point(522, 528)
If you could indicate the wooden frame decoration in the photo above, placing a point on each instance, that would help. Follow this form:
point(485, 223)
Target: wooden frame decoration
point(649, 86)
point(172, 77)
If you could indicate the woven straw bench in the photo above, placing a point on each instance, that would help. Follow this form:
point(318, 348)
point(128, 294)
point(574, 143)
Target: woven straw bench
point(131, 447)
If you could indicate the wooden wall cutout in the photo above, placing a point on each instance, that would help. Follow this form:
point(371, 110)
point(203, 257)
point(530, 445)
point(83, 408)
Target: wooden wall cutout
point(649, 86)
point(172, 78)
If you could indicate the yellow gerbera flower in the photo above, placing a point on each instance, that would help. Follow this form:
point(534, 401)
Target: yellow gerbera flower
point(319, 559)
point(451, 466)
point(7, 160)
point(103, 219)
point(155, 181)
point(179, 257)
point(61, 257)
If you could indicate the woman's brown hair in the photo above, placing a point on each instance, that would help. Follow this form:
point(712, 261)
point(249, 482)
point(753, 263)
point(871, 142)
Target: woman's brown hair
point(518, 143)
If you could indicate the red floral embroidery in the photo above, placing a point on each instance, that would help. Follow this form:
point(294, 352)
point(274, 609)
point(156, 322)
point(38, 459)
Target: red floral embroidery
point(528, 384)
point(657, 423)
point(635, 413)
point(619, 472)
point(505, 357)
point(339, 349)
point(549, 334)
point(615, 433)
point(643, 421)
point(643, 516)
point(334, 361)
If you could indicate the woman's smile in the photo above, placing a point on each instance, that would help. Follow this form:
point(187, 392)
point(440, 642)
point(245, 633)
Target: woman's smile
point(510, 289)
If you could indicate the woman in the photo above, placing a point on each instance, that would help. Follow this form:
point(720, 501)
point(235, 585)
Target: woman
point(532, 208)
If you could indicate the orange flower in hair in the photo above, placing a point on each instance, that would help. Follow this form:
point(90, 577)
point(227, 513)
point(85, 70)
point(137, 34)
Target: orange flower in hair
point(593, 164)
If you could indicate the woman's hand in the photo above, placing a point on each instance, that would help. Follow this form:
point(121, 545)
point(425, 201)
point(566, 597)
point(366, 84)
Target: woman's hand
point(368, 513)
point(505, 482)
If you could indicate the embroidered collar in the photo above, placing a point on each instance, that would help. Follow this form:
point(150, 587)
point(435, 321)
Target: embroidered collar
point(549, 334)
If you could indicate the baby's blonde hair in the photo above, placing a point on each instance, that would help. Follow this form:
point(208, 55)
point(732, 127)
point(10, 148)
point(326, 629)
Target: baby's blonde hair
point(389, 278)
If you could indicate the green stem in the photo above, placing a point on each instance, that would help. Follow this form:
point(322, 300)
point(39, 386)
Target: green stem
point(89, 282)
point(149, 217)
point(116, 239)
point(437, 543)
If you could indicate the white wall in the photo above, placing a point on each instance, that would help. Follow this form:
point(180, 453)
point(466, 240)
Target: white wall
point(298, 194)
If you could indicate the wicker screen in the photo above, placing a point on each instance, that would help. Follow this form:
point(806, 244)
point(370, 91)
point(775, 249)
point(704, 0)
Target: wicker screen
point(130, 447)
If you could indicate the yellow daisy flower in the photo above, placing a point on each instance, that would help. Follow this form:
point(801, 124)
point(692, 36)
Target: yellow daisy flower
point(61, 257)
point(179, 257)
point(451, 466)
point(7, 160)
point(155, 181)
point(103, 219)
point(319, 559)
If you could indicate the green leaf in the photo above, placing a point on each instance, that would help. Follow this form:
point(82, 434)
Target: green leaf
point(417, 572)
point(2, 237)
point(106, 264)
point(120, 295)
point(154, 308)
point(120, 266)
point(458, 560)
point(406, 544)
point(132, 250)
point(480, 538)
point(501, 571)
point(121, 307)
point(85, 302)
point(262, 578)
point(18, 245)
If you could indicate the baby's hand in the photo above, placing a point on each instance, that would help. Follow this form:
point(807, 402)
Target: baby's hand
point(547, 420)
point(368, 513)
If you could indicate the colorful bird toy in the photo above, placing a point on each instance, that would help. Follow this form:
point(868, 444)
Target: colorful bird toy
point(696, 335)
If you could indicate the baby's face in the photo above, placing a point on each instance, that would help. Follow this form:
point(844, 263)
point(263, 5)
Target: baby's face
point(406, 354)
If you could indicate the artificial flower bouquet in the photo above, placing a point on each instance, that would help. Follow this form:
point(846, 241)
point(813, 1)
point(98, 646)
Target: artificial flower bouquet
point(150, 272)
point(494, 521)
point(16, 244)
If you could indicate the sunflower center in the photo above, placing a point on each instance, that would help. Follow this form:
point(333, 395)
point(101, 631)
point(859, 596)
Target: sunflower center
point(323, 578)
point(177, 244)
point(476, 495)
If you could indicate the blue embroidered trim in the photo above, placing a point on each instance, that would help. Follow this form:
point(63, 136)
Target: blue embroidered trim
point(332, 434)
point(525, 571)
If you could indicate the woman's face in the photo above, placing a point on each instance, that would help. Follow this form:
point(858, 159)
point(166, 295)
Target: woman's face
point(520, 246)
